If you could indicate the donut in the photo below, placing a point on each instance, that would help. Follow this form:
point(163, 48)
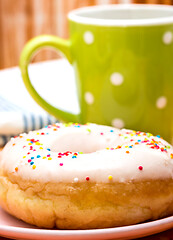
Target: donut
point(72, 176)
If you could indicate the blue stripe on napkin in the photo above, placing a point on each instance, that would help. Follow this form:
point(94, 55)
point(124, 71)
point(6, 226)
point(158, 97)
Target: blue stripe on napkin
point(33, 122)
point(41, 122)
point(25, 120)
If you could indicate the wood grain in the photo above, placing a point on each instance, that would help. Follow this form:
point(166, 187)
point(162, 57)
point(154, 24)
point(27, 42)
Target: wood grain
point(21, 20)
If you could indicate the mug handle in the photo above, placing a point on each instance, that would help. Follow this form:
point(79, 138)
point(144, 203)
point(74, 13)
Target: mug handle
point(29, 50)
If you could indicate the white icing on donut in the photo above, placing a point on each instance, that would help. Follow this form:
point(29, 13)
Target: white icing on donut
point(54, 153)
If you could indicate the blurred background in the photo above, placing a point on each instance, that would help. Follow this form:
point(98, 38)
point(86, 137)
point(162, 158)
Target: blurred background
point(21, 20)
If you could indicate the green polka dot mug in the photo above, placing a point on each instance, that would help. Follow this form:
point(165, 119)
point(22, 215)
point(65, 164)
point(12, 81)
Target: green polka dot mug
point(123, 61)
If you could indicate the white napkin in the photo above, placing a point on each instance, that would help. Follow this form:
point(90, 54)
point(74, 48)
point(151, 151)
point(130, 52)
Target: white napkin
point(54, 80)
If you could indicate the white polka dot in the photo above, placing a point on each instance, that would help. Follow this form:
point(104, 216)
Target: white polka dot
point(167, 37)
point(116, 78)
point(89, 98)
point(118, 123)
point(88, 37)
point(161, 102)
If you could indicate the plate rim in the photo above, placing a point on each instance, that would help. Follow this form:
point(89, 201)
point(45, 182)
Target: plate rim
point(155, 226)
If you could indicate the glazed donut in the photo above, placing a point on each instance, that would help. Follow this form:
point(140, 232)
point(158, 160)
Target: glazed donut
point(73, 176)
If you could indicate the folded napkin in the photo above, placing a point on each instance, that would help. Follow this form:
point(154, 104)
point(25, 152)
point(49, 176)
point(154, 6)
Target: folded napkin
point(18, 111)
point(15, 119)
point(55, 82)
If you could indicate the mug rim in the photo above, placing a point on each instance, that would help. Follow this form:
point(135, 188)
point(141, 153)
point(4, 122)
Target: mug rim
point(75, 16)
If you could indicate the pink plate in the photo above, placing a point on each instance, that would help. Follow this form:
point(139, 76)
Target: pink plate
point(12, 228)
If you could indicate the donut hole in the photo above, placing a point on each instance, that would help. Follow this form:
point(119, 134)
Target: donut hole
point(81, 142)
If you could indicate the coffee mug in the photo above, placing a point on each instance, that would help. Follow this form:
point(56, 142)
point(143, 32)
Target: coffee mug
point(123, 61)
